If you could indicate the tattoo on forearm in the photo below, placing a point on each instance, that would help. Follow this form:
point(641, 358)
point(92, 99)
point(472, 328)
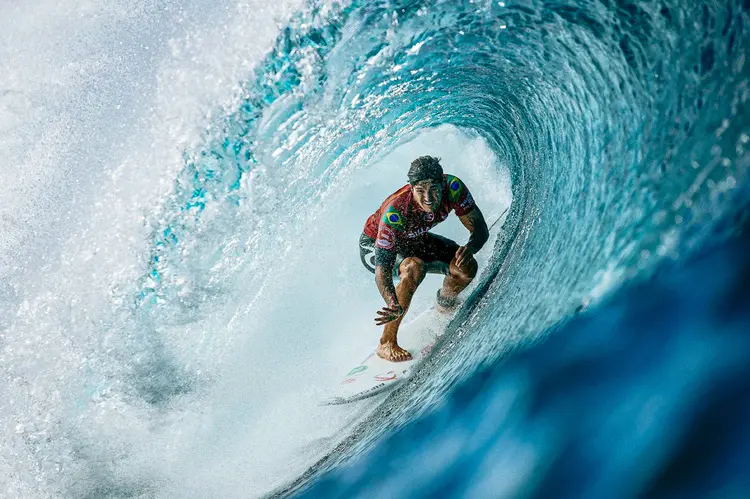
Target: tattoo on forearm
point(471, 222)
point(478, 228)
point(384, 281)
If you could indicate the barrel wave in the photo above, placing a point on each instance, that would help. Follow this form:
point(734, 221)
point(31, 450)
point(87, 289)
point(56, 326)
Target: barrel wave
point(614, 132)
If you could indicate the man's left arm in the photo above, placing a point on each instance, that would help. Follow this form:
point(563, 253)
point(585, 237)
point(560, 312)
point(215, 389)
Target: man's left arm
point(475, 223)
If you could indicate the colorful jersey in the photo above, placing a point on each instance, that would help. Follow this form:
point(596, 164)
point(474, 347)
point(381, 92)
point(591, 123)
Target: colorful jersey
point(399, 222)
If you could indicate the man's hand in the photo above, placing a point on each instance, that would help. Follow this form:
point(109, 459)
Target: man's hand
point(463, 255)
point(390, 313)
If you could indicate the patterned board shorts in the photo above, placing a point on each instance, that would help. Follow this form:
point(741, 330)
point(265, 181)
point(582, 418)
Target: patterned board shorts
point(436, 251)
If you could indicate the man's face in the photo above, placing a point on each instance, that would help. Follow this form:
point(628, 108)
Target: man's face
point(427, 194)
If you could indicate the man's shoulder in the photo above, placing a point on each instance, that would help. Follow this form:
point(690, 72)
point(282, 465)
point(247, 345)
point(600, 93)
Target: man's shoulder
point(394, 209)
point(398, 199)
point(451, 179)
point(455, 187)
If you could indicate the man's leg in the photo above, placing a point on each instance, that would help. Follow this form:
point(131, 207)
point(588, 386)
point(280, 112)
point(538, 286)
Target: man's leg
point(440, 254)
point(456, 281)
point(412, 272)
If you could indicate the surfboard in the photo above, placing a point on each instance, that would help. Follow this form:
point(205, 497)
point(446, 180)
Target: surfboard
point(375, 375)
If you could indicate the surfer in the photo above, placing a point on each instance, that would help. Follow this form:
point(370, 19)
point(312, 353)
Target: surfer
point(396, 242)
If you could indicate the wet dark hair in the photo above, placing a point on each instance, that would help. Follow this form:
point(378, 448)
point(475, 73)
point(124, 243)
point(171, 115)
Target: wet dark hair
point(425, 168)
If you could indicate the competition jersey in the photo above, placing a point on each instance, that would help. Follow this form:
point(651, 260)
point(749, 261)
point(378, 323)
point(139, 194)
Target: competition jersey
point(399, 222)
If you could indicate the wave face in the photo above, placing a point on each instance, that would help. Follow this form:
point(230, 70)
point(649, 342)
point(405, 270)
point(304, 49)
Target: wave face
point(616, 132)
point(638, 399)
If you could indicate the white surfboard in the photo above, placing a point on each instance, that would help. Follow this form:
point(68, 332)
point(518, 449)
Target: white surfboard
point(375, 375)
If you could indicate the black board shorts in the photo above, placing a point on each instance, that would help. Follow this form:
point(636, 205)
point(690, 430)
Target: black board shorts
point(436, 251)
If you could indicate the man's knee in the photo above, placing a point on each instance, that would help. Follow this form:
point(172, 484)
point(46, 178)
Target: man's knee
point(467, 271)
point(413, 268)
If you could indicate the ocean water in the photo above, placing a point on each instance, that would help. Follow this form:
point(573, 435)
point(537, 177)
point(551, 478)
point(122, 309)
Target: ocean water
point(180, 284)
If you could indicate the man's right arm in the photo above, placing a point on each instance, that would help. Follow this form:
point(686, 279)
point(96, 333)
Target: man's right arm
point(385, 259)
point(384, 280)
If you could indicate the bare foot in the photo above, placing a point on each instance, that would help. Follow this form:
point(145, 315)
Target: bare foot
point(393, 352)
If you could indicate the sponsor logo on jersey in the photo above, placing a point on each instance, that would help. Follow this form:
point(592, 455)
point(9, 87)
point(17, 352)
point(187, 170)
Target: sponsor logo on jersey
point(385, 244)
point(418, 232)
point(385, 238)
point(468, 201)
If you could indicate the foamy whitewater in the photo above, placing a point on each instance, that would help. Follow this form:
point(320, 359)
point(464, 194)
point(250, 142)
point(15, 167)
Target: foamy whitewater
point(184, 185)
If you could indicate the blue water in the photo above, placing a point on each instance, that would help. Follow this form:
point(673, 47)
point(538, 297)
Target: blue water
point(646, 396)
point(194, 302)
point(624, 126)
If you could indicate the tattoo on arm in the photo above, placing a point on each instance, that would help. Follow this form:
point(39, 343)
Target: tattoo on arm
point(384, 280)
point(475, 223)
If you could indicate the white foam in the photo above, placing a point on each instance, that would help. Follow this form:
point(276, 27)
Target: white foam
point(99, 100)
